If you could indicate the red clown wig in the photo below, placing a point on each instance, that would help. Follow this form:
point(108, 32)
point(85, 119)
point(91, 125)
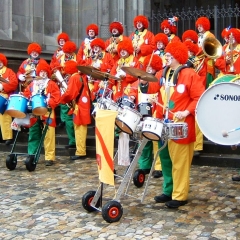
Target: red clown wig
point(190, 35)
point(34, 47)
point(70, 67)
point(161, 37)
point(116, 25)
point(178, 50)
point(3, 59)
point(93, 27)
point(156, 62)
point(126, 44)
point(192, 47)
point(98, 42)
point(204, 21)
point(69, 47)
point(42, 66)
point(64, 36)
point(142, 19)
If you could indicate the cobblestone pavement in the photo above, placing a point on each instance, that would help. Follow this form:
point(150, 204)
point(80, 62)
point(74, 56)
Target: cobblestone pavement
point(47, 204)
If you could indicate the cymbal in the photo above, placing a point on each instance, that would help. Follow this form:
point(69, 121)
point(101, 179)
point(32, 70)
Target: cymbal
point(107, 75)
point(30, 78)
point(91, 71)
point(138, 73)
point(3, 80)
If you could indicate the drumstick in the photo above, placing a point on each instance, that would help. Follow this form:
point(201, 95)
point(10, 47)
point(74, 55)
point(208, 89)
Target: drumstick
point(159, 104)
point(225, 133)
point(150, 60)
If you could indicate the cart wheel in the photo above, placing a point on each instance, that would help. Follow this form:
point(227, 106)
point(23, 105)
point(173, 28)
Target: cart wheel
point(139, 178)
point(112, 211)
point(30, 166)
point(11, 161)
point(87, 199)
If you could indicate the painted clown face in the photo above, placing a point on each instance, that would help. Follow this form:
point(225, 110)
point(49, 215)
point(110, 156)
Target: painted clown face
point(166, 31)
point(43, 74)
point(91, 33)
point(160, 45)
point(1, 65)
point(34, 54)
point(97, 49)
point(200, 28)
point(124, 53)
point(115, 31)
point(139, 25)
point(61, 42)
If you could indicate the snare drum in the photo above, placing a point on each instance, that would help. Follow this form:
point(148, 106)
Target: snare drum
point(152, 128)
point(126, 102)
point(128, 119)
point(106, 104)
point(3, 104)
point(218, 111)
point(39, 104)
point(176, 130)
point(17, 106)
point(145, 108)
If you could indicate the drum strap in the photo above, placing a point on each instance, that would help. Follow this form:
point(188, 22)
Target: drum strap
point(81, 89)
point(175, 74)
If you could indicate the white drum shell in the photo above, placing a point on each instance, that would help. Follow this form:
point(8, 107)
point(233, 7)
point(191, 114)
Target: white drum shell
point(152, 128)
point(218, 111)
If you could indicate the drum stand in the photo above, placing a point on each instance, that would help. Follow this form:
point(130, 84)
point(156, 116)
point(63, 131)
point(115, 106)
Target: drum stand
point(32, 160)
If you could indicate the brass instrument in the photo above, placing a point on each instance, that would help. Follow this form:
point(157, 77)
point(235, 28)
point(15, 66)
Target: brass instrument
point(211, 48)
point(231, 69)
point(63, 87)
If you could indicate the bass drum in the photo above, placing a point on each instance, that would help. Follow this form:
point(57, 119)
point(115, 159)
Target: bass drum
point(224, 78)
point(218, 112)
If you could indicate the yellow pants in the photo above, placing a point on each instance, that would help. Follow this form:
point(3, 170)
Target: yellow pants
point(49, 144)
point(198, 144)
point(181, 156)
point(157, 166)
point(5, 123)
point(80, 136)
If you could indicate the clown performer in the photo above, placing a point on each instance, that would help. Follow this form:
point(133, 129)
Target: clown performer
point(142, 39)
point(161, 41)
point(28, 66)
point(50, 89)
point(169, 28)
point(203, 27)
point(179, 89)
point(8, 84)
point(85, 51)
point(78, 92)
point(152, 64)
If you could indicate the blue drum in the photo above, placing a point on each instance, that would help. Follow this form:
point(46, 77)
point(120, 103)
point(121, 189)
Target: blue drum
point(3, 104)
point(39, 104)
point(17, 106)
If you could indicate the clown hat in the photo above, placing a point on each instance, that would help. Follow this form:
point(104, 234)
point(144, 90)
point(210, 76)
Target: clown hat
point(116, 25)
point(98, 42)
point(3, 59)
point(64, 36)
point(156, 62)
point(34, 47)
point(70, 67)
point(190, 35)
point(42, 66)
point(225, 32)
point(204, 21)
point(178, 50)
point(69, 47)
point(126, 44)
point(93, 27)
point(142, 19)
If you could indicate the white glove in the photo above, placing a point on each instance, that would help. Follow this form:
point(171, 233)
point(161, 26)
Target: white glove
point(96, 64)
point(21, 77)
point(121, 73)
point(1, 87)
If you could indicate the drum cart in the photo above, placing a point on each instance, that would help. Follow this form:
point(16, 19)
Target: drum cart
point(32, 160)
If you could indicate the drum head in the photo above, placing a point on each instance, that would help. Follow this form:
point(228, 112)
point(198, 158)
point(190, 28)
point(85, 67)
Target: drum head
point(218, 112)
point(224, 78)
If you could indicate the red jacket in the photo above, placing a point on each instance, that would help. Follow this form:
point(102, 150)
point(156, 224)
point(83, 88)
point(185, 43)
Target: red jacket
point(10, 76)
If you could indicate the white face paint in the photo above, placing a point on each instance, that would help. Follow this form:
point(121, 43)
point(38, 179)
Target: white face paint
point(43, 74)
point(115, 31)
point(149, 70)
point(200, 28)
point(168, 58)
point(34, 54)
point(96, 49)
point(166, 31)
point(1, 65)
point(91, 33)
point(160, 45)
point(123, 53)
point(139, 25)
point(61, 42)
